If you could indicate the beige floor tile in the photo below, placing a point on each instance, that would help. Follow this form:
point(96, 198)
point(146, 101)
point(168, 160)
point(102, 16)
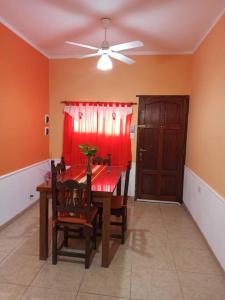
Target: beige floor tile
point(19, 269)
point(139, 238)
point(187, 238)
point(202, 286)
point(111, 281)
point(121, 257)
point(64, 276)
point(2, 256)
point(8, 244)
point(147, 205)
point(118, 255)
point(33, 212)
point(159, 238)
point(11, 291)
point(34, 293)
point(153, 257)
point(147, 225)
point(181, 221)
point(172, 210)
point(154, 284)
point(82, 296)
point(21, 229)
point(146, 209)
point(30, 246)
point(195, 260)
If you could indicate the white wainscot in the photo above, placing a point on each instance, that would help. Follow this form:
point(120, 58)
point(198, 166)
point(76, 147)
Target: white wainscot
point(18, 189)
point(207, 208)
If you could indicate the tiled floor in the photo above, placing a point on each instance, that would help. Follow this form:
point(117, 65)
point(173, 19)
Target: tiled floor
point(164, 258)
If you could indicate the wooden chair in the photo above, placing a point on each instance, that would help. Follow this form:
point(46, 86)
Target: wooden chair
point(102, 161)
point(119, 208)
point(98, 160)
point(61, 166)
point(72, 209)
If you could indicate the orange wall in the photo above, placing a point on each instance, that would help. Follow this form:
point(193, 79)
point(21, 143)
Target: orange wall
point(206, 134)
point(24, 101)
point(73, 79)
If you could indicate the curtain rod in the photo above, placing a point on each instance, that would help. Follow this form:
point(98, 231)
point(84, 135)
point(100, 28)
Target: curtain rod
point(98, 102)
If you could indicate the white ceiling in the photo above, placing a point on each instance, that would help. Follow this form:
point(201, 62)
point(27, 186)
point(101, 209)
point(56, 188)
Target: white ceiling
point(165, 26)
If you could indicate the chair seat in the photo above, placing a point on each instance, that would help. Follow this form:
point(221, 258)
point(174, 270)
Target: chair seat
point(83, 219)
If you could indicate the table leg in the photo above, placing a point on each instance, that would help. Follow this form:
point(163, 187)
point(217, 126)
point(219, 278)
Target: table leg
point(43, 233)
point(106, 231)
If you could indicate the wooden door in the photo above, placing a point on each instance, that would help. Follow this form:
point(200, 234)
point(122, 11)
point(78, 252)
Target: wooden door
point(161, 144)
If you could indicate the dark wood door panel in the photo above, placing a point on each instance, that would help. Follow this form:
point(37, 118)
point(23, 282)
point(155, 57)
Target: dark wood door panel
point(149, 184)
point(173, 113)
point(149, 148)
point(171, 150)
point(153, 113)
point(161, 147)
point(168, 186)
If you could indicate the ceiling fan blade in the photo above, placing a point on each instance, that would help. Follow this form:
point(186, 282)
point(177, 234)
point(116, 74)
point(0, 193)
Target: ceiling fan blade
point(125, 46)
point(122, 58)
point(88, 55)
point(81, 45)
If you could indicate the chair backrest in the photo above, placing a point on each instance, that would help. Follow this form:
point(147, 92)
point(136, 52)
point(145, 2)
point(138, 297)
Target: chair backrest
point(61, 166)
point(102, 161)
point(70, 197)
point(127, 177)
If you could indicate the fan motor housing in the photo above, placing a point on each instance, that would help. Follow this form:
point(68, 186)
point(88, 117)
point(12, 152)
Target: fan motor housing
point(105, 45)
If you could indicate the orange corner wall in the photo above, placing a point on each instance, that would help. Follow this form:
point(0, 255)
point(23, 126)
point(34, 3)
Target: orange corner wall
point(24, 101)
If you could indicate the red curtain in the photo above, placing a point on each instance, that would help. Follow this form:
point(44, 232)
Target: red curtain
point(104, 126)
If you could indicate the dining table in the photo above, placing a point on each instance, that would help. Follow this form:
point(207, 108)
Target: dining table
point(105, 181)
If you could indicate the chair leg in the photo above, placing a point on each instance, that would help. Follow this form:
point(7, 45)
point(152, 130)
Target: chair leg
point(54, 245)
point(123, 227)
point(81, 234)
point(100, 219)
point(94, 233)
point(125, 219)
point(87, 234)
point(65, 243)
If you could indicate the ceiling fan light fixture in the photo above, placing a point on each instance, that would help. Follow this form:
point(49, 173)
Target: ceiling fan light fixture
point(104, 63)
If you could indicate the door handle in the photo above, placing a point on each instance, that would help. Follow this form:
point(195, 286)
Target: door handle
point(142, 150)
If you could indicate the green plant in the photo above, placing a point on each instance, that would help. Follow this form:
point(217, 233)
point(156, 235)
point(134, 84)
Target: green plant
point(88, 150)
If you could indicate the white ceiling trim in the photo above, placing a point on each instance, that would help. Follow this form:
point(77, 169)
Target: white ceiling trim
point(13, 29)
point(207, 31)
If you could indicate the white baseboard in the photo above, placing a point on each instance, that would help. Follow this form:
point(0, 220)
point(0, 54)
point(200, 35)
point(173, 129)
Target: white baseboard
point(207, 208)
point(16, 188)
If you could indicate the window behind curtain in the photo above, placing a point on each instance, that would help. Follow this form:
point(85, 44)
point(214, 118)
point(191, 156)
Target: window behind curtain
point(103, 125)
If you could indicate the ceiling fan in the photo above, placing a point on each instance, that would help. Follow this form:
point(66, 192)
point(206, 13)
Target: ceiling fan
point(106, 51)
